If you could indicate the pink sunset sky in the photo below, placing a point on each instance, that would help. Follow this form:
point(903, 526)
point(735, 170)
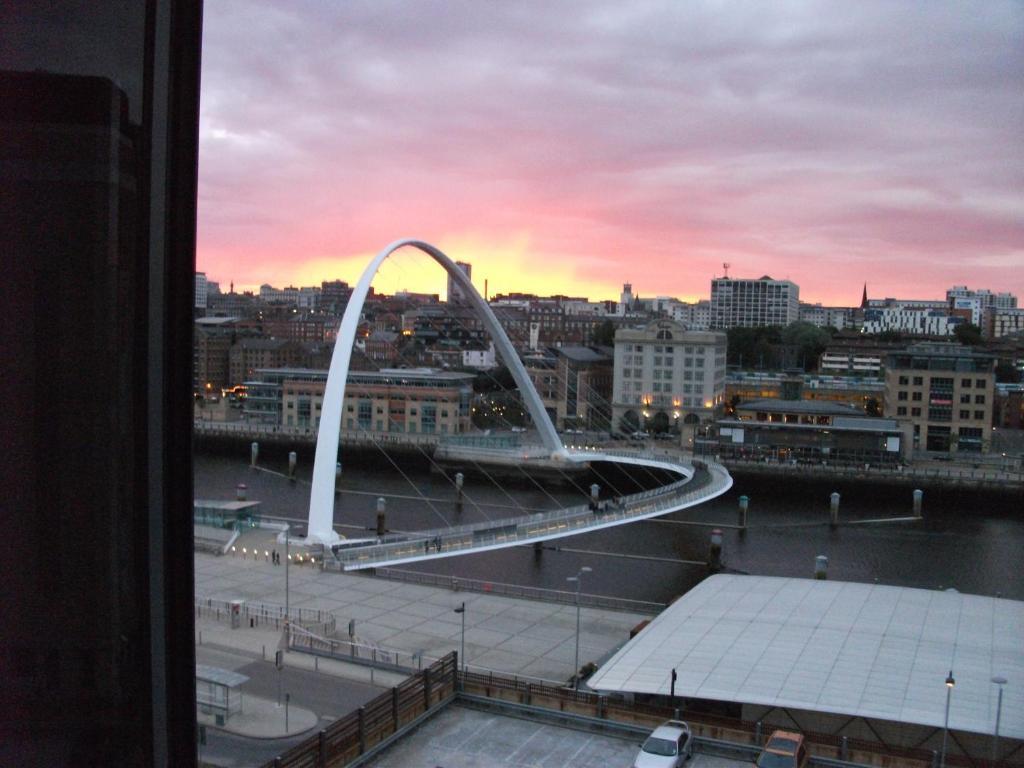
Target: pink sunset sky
point(570, 147)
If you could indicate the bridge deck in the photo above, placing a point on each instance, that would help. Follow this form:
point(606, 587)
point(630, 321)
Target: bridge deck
point(697, 484)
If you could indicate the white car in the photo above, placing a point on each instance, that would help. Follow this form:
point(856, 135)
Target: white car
point(669, 746)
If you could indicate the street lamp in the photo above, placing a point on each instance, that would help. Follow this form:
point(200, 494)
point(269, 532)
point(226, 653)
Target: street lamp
point(950, 682)
point(287, 559)
point(578, 578)
point(1000, 681)
point(462, 646)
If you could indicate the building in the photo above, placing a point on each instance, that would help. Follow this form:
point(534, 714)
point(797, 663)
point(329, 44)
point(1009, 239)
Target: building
point(853, 354)
point(201, 291)
point(1004, 322)
point(455, 294)
point(918, 321)
point(334, 295)
point(99, 157)
point(666, 375)
point(753, 303)
point(827, 317)
point(865, 394)
point(249, 355)
point(946, 392)
point(985, 298)
point(395, 400)
point(1008, 409)
point(584, 379)
point(863, 661)
point(796, 435)
point(212, 339)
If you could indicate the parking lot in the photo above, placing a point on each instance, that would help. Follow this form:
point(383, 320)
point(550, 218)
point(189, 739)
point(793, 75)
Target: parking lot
point(467, 738)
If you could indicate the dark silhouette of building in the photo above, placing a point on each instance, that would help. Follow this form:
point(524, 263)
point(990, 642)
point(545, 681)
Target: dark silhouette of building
point(98, 145)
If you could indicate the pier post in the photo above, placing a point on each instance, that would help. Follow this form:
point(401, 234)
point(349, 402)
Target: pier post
point(834, 509)
point(918, 499)
point(241, 492)
point(459, 480)
point(382, 526)
point(293, 459)
point(821, 567)
point(254, 454)
point(744, 504)
point(715, 551)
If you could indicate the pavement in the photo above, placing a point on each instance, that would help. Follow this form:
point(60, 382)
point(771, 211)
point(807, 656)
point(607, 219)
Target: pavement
point(504, 634)
point(459, 737)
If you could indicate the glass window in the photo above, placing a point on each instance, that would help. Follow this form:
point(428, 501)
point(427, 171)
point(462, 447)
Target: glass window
point(979, 415)
point(901, 396)
point(966, 383)
point(980, 383)
point(901, 411)
point(979, 399)
point(915, 411)
point(918, 381)
point(916, 396)
point(904, 381)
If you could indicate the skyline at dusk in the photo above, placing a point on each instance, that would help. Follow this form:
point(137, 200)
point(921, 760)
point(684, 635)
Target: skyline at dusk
point(571, 148)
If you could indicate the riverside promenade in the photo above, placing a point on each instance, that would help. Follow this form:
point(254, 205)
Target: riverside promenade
point(529, 638)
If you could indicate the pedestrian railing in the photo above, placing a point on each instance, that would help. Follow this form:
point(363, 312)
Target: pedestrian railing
point(263, 615)
point(700, 482)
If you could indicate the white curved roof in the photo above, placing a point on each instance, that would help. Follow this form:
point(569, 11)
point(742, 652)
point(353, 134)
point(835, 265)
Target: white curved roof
point(830, 646)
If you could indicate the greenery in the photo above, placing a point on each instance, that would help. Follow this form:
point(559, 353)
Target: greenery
point(760, 348)
point(968, 333)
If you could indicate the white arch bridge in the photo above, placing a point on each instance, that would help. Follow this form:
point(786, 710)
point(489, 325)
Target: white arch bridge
point(696, 482)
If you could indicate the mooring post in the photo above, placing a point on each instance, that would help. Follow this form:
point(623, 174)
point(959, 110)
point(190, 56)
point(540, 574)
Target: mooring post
point(382, 526)
point(254, 454)
point(821, 567)
point(744, 504)
point(833, 507)
point(715, 551)
point(460, 479)
point(918, 499)
point(293, 459)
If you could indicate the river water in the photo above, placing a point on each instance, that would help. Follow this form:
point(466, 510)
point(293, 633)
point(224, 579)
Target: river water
point(970, 541)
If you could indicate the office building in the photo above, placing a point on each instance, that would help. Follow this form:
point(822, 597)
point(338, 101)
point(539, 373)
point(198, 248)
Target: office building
point(946, 392)
point(455, 294)
point(201, 291)
point(666, 375)
point(753, 303)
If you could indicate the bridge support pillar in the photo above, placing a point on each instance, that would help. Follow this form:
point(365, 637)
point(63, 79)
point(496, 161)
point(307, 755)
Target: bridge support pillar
point(715, 551)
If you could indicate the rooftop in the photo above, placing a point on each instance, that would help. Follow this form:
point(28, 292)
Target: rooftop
point(816, 407)
point(853, 649)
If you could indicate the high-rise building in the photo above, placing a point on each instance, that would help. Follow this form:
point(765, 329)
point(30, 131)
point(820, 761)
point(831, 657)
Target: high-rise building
point(455, 294)
point(753, 303)
point(201, 291)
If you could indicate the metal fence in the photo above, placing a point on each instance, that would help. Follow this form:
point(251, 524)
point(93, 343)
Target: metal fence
point(265, 614)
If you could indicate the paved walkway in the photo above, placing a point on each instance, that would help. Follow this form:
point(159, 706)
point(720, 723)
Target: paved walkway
point(263, 719)
point(503, 634)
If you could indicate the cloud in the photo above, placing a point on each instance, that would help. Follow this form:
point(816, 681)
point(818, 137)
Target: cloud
point(646, 141)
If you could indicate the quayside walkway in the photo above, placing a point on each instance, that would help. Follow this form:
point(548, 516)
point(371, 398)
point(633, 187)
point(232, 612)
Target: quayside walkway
point(698, 482)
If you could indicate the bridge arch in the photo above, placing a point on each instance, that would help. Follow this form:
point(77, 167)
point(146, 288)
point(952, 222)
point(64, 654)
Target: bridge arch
point(320, 529)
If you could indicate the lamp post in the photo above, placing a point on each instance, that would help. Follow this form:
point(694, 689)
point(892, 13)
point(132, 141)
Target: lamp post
point(1000, 681)
point(287, 559)
point(950, 682)
point(462, 645)
point(578, 578)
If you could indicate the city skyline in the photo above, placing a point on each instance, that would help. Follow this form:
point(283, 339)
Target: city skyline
point(577, 150)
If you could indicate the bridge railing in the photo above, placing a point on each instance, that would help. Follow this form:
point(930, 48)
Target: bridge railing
point(543, 524)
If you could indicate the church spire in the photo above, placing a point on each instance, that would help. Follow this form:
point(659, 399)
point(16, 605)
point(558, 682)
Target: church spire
point(864, 298)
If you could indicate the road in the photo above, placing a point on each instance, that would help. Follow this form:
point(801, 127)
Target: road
point(328, 696)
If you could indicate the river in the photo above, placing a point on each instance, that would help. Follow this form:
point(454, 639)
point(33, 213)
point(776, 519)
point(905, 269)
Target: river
point(969, 541)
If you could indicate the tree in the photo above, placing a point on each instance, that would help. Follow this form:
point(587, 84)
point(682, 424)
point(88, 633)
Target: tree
point(810, 339)
point(604, 334)
point(872, 407)
point(968, 334)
